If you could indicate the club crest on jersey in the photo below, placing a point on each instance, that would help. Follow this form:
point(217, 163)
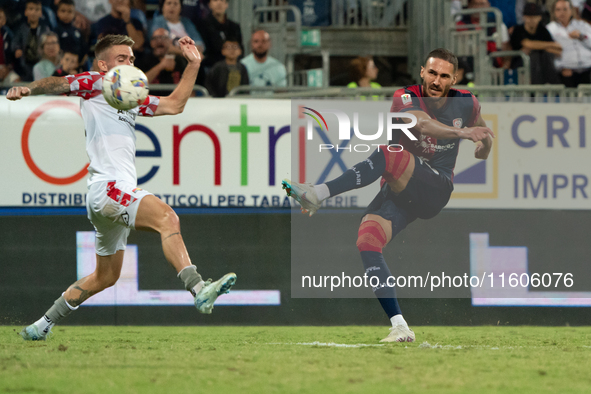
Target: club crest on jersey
point(406, 99)
point(458, 123)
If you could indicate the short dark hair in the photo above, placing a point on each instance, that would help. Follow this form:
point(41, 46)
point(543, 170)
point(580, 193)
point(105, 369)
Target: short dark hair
point(65, 2)
point(161, 4)
point(109, 41)
point(443, 54)
point(231, 39)
point(36, 2)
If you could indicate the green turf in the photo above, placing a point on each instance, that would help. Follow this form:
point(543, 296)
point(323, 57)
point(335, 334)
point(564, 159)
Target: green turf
point(109, 360)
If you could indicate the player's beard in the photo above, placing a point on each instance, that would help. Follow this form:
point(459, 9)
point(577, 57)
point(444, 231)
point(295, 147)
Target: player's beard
point(436, 99)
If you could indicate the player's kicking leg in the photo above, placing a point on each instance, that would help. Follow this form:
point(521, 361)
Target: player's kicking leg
point(375, 231)
point(154, 215)
point(395, 167)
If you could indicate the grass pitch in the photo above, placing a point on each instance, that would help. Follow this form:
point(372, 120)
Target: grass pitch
point(296, 359)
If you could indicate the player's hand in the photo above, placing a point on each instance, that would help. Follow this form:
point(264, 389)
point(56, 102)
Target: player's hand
point(478, 133)
point(189, 50)
point(481, 152)
point(18, 53)
point(18, 92)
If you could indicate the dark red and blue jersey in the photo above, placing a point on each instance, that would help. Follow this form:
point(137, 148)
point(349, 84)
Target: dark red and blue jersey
point(461, 109)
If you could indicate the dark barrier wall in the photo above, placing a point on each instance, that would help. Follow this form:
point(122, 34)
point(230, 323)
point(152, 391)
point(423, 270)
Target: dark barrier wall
point(38, 262)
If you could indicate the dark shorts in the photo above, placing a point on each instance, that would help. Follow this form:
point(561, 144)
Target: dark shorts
point(424, 197)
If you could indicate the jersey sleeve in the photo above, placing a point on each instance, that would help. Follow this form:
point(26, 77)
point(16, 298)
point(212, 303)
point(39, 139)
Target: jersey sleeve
point(405, 100)
point(86, 85)
point(475, 111)
point(149, 106)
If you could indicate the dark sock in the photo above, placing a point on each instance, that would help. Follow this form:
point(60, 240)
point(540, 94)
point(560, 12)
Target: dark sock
point(360, 175)
point(375, 265)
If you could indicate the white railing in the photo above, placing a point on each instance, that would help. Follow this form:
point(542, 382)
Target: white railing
point(504, 93)
point(497, 75)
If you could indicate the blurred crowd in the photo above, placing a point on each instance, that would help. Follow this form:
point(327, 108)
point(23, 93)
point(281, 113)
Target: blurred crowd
point(555, 34)
point(41, 38)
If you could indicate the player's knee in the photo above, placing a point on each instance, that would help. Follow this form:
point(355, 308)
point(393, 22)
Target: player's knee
point(170, 221)
point(371, 237)
point(396, 164)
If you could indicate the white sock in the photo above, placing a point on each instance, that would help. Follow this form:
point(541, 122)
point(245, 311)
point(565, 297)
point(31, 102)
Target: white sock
point(398, 320)
point(322, 192)
point(198, 287)
point(44, 324)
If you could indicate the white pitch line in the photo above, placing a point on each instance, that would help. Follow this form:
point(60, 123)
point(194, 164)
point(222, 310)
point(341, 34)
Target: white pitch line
point(424, 345)
point(329, 344)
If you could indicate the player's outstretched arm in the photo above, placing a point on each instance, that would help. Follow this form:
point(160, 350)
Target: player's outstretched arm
point(175, 103)
point(433, 128)
point(484, 146)
point(49, 85)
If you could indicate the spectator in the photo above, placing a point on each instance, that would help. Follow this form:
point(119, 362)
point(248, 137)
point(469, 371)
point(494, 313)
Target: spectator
point(464, 75)
point(69, 65)
point(574, 36)
point(70, 38)
point(363, 72)
point(263, 70)
point(50, 56)
point(15, 12)
point(215, 28)
point(26, 40)
point(120, 21)
point(170, 19)
point(229, 73)
point(91, 11)
point(161, 66)
point(7, 75)
point(535, 40)
point(491, 31)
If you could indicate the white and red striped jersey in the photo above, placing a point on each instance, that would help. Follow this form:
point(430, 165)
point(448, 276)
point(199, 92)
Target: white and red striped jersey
point(110, 133)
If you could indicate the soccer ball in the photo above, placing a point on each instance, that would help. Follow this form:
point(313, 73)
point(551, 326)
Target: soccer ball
point(125, 87)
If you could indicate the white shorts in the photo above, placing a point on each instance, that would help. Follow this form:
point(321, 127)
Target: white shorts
point(112, 209)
